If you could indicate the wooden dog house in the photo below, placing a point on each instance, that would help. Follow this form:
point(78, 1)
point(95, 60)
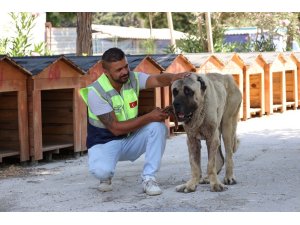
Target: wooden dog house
point(291, 80)
point(53, 104)
point(254, 85)
point(13, 110)
point(149, 98)
point(199, 60)
point(211, 64)
point(296, 57)
point(233, 65)
point(275, 87)
point(92, 67)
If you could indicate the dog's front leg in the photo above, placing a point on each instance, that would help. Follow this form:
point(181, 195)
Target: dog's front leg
point(213, 144)
point(194, 146)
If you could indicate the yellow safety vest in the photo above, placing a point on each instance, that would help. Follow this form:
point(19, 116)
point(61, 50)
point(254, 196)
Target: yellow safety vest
point(124, 104)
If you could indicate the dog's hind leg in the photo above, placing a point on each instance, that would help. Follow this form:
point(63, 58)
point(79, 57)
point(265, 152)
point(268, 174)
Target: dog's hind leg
point(219, 157)
point(229, 138)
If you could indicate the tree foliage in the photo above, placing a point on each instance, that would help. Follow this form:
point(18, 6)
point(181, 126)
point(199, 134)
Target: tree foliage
point(272, 22)
point(117, 18)
point(21, 44)
point(193, 23)
point(62, 19)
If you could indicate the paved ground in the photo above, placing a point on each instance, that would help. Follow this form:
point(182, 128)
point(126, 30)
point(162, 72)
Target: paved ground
point(266, 166)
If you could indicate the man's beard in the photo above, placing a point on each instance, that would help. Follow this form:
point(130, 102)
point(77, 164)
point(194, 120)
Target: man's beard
point(123, 79)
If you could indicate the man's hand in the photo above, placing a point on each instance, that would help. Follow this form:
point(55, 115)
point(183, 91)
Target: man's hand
point(178, 76)
point(165, 79)
point(158, 115)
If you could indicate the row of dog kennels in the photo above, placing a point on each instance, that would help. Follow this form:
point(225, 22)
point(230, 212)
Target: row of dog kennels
point(41, 111)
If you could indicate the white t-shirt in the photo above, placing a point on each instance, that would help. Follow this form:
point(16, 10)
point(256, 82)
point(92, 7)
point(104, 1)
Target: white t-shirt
point(99, 107)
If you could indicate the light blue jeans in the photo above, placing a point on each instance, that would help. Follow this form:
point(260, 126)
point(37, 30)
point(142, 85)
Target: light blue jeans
point(150, 139)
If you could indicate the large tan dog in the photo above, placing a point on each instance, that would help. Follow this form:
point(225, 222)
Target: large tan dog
point(208, 104)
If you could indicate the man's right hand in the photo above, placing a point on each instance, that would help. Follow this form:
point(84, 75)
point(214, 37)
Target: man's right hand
point(158, 115)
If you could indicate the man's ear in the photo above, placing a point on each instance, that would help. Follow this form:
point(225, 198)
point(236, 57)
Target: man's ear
point(203, 85)
point(104, 66)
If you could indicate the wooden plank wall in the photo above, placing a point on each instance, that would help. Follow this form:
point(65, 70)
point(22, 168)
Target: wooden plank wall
point(255, 91)
point(147, 101)
point(13, 111)
point(291, 91)
point(278, 90)
point(9, 129)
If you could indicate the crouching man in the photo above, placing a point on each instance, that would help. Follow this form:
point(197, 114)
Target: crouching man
point(115, 132)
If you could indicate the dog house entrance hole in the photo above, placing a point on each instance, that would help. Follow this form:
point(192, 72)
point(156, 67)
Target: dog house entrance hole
point(57, 119)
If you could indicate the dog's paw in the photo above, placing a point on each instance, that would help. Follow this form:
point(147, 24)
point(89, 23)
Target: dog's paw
point(186, 188)
point(218, 187)
point(229, 180)
point(204, 180)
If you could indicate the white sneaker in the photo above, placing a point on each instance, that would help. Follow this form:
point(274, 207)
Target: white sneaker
point(105, 186)
point(151, 187)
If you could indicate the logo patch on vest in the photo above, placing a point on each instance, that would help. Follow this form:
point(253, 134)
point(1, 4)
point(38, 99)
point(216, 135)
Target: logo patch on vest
point(133, 104)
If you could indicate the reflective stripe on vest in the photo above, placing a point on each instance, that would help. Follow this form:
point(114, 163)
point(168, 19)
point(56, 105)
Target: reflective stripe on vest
point(125, 105)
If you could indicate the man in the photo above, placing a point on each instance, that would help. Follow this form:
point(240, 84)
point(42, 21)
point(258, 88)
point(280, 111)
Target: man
point(115, 133)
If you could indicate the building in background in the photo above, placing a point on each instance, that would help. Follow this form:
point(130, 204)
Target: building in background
point(244, 34)
point(132, 40)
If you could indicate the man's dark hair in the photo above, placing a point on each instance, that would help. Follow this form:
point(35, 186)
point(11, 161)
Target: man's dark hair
point(112, 55)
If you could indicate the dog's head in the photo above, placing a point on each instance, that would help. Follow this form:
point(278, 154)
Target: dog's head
point(188, 95)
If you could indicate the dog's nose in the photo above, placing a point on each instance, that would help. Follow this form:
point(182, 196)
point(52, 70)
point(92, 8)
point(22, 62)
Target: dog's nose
point(176, 105)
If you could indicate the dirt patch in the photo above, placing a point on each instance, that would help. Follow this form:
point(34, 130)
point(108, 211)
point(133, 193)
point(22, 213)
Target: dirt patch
point(19, 171)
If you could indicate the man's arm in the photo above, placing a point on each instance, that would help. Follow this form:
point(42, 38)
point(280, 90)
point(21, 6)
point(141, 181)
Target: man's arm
point(164, 79)
point(119, 128)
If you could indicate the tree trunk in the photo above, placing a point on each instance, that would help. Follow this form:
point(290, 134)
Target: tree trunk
point(171, 28)
point(209, 33)
point(84, 34)
point(150, 21)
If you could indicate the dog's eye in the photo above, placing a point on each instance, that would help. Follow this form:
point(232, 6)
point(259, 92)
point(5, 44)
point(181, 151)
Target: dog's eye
point(187, 91)
point(175, 92)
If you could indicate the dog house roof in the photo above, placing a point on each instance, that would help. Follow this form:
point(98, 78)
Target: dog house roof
point(249, 58)
point(5, 57)
point(197, 59)
point(165, 60)
point(270, 57)
point(85, 62)
point(36, 64)
point(135, 60)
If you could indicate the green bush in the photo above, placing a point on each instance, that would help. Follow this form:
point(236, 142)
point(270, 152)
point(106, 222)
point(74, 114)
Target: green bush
point(21, 45)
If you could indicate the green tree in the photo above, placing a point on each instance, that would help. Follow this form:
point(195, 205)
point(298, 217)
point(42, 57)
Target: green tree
point(149, 46)
point(125, 19)
point(68, 19)
point(21, 43)
point(272, 22)
point(3, 46)
point(84, 33)
point(182, 21)
point(62, 19)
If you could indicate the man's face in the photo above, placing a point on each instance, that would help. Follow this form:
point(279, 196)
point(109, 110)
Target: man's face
point(118, 71)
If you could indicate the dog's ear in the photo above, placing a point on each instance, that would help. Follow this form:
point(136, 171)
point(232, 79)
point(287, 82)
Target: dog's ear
point(203, 85)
